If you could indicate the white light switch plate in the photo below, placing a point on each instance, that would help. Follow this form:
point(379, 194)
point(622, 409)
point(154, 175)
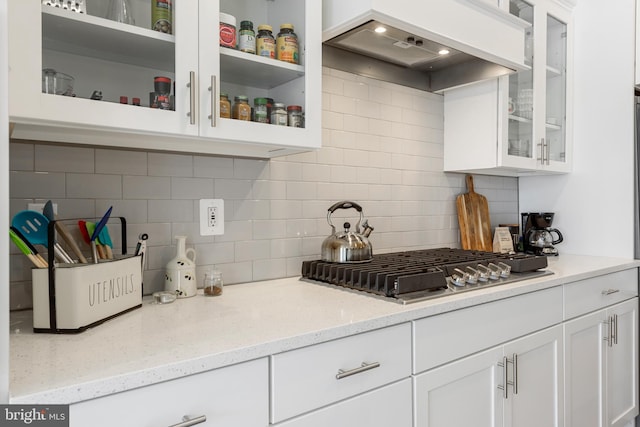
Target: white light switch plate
point(211, 217)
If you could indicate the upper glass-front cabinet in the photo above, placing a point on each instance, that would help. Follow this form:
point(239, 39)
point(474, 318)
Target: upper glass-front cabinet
point(153, 79)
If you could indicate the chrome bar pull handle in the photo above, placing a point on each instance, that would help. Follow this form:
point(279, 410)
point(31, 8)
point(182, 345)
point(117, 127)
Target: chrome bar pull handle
point(547, 150)
point(192, 97)
point(610, 291)
point(541, 157)
point(609, 338)
point(505, 378)
point(515, 373)
point(615, 329)
point(362, 368)
point(214, 111)
point(187, 421)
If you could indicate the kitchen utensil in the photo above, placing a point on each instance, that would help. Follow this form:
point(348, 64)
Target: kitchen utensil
point(91, 228)
point(347, 246)
point(180, 274)
point(25, 249)
point(105, 239)
point(57, 83)
point(474, 221)
point(33, 226)
point(63, 231)
point(32, 248)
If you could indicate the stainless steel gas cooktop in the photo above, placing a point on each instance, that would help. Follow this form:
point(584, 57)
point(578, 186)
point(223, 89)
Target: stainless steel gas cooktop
point(413, 276)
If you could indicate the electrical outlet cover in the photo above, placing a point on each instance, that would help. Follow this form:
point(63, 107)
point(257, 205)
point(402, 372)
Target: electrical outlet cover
point(211, 217)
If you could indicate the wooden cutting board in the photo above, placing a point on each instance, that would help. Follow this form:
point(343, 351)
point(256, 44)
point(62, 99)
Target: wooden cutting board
point(474, 221)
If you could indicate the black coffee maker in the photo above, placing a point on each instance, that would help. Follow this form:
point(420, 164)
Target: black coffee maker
point(537, 237)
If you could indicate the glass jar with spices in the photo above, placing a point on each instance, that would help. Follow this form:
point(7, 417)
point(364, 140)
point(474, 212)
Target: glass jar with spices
point(225, 106)
point(241, 108)
point(287, 44)
point(265, 42)
point(247, 37)
point(294, 116)
point(227, 30)
point(260, 110)
point(279, 114)
point(212, 285)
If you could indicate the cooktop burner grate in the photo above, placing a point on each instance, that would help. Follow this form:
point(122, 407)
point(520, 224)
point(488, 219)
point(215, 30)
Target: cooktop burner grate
point(424, 274)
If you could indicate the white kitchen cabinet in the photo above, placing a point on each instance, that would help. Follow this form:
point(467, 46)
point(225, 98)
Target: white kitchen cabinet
point(601, 364)
point(392, 407)
point(122, 60)
point(309, 378)
point(232, 396)
point(518, 124)
point(515, 384)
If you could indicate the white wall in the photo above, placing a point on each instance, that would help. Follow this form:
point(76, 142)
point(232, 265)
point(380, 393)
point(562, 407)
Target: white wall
point(594, 204)
point(382, 148)
point(4, 214)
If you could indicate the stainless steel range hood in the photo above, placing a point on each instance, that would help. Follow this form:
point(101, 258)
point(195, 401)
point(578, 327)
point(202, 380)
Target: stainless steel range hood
point(433, 52)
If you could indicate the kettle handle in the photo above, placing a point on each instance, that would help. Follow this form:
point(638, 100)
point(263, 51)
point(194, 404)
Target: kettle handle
point(555, 230)
point(344, 205)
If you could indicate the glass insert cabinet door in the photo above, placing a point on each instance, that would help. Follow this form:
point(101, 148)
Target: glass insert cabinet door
point(521, 87)
point(556, 83)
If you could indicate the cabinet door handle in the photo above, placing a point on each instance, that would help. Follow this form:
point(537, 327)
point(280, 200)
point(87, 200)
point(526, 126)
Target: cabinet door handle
point(547, 150)
point(515, 373)
point(213, 91)
point(610, 291)
point(541, 145)
point(364, 367)
point(609, 337)
point(615, 329)
point(192, 97)
point(186, 421)
point(505, 377)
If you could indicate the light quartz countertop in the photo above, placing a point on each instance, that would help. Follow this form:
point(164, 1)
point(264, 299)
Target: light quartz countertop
point(161, 342)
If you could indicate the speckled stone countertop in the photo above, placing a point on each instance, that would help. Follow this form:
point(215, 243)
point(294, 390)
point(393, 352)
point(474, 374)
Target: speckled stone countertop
point(161, 342)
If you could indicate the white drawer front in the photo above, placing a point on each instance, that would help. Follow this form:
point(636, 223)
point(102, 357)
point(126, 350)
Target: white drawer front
point(446, 337)
point(598, 292)
point(306, 379)
point(233, 396)
point(390, 405)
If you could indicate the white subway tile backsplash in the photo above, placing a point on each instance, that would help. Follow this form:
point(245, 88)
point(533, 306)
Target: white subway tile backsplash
point(163, 164)
point(146, 187)
point(382, 148)
point(53, 158)
point(121, 162)
point(21, 157)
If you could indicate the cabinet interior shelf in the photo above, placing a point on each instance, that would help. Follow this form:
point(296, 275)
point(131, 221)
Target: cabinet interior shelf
point(88, 35)
point(519, 119)
point(256, 71)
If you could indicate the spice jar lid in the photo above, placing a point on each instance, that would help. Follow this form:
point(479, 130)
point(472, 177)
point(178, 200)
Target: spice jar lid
point(265, 27)
point(241, 98)
point(244, 24)
point(286, 27)
point(260, 101)
point(226, 18)
point(278, 105)
point(223, 95)
point(294, 108)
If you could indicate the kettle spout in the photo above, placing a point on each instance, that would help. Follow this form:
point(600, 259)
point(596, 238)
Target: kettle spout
point(366, 228)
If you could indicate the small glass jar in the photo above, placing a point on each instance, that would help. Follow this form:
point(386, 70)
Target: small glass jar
point(225, 106)
point(279, 114)
point(247, 37)
point(294, 116)
point(212, 285)
point(265, 42)
point(260, 110)
point(241, 108)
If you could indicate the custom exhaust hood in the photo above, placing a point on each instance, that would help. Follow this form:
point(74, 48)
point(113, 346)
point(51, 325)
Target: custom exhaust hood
point(432, 45)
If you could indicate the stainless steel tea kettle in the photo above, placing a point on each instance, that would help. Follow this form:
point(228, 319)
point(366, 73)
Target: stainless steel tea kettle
point(347, 246)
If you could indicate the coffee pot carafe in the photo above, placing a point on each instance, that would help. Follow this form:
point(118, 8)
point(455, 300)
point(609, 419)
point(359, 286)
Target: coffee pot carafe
point(538, 236)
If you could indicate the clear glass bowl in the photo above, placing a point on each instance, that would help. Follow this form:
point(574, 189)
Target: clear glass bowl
point(57, 83)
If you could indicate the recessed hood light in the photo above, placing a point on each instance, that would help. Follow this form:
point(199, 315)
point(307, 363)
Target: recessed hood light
point(380, 29)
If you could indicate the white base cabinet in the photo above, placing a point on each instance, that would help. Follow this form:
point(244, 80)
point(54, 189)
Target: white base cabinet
point(517, 384)
point(602, 367)
point(233, 396)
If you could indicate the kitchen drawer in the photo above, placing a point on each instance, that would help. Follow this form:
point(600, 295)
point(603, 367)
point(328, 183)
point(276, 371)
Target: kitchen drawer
point(446, 337)
point(306, 379)
point(397, 410)
point(233, 396)
point(597, 292)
